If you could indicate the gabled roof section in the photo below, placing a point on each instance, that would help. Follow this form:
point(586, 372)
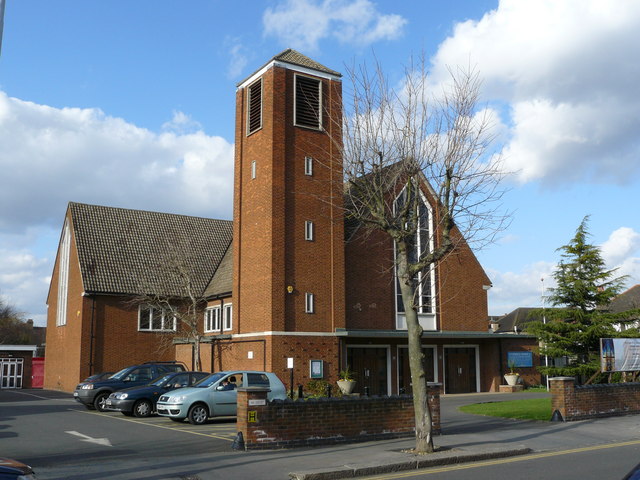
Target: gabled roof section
point(628, 300)
point(222, 282)
point(294, 58)
point(515, 321)
point(124, 251)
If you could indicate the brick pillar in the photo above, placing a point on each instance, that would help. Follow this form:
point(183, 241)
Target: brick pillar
point(563, 396)
point(433, 393)
point(252, 403)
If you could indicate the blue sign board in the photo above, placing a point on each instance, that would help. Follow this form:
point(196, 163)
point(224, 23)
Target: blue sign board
point(520, 359)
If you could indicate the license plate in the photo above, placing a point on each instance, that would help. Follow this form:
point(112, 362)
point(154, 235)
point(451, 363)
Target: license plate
point(75, 394)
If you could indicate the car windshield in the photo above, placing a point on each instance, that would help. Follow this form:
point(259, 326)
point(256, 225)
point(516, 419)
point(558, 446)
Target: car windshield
point(210, 380)
point(120, 375)
point(160, 381)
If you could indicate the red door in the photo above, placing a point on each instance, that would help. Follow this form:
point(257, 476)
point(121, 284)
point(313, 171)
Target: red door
point(37, 372)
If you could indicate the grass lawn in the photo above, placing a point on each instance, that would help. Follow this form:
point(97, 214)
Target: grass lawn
point(528, 409)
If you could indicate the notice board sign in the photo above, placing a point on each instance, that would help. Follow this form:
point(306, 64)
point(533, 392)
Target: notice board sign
point(520, 359)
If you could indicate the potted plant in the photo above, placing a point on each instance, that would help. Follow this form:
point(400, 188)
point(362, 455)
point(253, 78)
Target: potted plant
point(346, 381)
point(512, 377)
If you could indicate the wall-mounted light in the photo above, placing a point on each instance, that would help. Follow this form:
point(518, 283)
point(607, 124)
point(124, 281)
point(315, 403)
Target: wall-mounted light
point(290, 289)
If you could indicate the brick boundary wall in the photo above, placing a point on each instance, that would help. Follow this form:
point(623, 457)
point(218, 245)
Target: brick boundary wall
point(589, 401)
point(328, 421)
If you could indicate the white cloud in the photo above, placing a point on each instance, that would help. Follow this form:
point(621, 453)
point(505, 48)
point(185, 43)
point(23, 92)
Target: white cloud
point(239, 57)
point(519, 289)
point(568, 70)
point(51, 156)
point(622, 251)
point(24, 281)
point(302, 24)
point(181, 123)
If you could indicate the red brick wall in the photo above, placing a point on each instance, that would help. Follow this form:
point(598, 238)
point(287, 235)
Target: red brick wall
point(588, 401)
point(65, 356)
point(270, 353)
point(287, 423)
point(462, 300)
point(370, 289)
point(529, 375)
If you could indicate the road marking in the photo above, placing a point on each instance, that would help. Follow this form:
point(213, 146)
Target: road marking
point(489, 463)
point(32, 395)
point(87, 438)
point(229, 438)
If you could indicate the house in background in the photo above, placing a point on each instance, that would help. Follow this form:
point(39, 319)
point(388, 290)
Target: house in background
point(296, 288)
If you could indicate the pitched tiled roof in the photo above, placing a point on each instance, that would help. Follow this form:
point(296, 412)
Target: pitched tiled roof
point(294, 57)
point(628, 300)
point(518, 318)
point(124, 251)
point(222, 281)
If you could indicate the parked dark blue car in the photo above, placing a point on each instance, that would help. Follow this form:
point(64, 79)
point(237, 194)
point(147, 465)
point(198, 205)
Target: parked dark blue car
point(141, 401)
point(93, 395)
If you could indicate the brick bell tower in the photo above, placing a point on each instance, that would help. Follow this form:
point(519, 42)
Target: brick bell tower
point(288, 245)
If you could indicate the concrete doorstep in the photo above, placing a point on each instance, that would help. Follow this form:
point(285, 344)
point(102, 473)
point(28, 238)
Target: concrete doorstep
point(395, 461)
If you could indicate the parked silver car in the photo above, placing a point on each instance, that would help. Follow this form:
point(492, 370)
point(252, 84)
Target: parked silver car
point(216, 395)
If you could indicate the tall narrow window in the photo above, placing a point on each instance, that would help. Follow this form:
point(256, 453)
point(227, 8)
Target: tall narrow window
point(254, 107)
point(309, 306)
point(418, 245)
point(308, 230)
point(228, 316)
point(308, 102)
point(308, 166)
point(212, 319)
point(253, 169)
point(63, 276)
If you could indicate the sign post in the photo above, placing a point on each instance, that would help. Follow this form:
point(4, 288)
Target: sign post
point(290, 367)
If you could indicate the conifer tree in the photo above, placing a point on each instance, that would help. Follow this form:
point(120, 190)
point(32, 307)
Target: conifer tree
point(570, 333)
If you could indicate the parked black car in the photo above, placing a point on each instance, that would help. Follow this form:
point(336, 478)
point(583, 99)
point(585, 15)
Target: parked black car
point(141, 401)
point(98, 376)
point(93, 395)
point(14, 470)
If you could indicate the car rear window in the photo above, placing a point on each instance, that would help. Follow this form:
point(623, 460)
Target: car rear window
point(257, 380)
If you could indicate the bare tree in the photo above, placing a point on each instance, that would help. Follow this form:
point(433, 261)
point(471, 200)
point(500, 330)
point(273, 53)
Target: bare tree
point(13, 328)
point(173, 300)
point(418, 167)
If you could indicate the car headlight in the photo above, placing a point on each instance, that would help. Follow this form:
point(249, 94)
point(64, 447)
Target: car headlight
point(121, 396)
point(177, 399)
point(87, 386)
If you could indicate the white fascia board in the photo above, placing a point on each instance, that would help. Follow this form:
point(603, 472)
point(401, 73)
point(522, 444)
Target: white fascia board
point(288, 66)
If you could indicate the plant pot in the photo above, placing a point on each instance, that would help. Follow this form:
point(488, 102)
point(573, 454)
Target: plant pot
point(346, 386)
point(511, 378)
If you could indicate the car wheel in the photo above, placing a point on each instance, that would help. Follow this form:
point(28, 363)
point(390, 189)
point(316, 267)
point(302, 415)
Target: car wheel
point(100, 402)
point(198, 414)
point(142, 408)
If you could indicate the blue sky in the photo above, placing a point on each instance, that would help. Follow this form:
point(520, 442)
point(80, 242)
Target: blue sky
point(131, 104)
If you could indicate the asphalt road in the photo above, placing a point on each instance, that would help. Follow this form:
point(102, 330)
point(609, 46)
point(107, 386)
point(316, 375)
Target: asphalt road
point(609, 461)
point(60, 438)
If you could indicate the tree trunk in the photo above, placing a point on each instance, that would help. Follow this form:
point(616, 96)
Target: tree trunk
point(196, 353)
point(422, 410)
